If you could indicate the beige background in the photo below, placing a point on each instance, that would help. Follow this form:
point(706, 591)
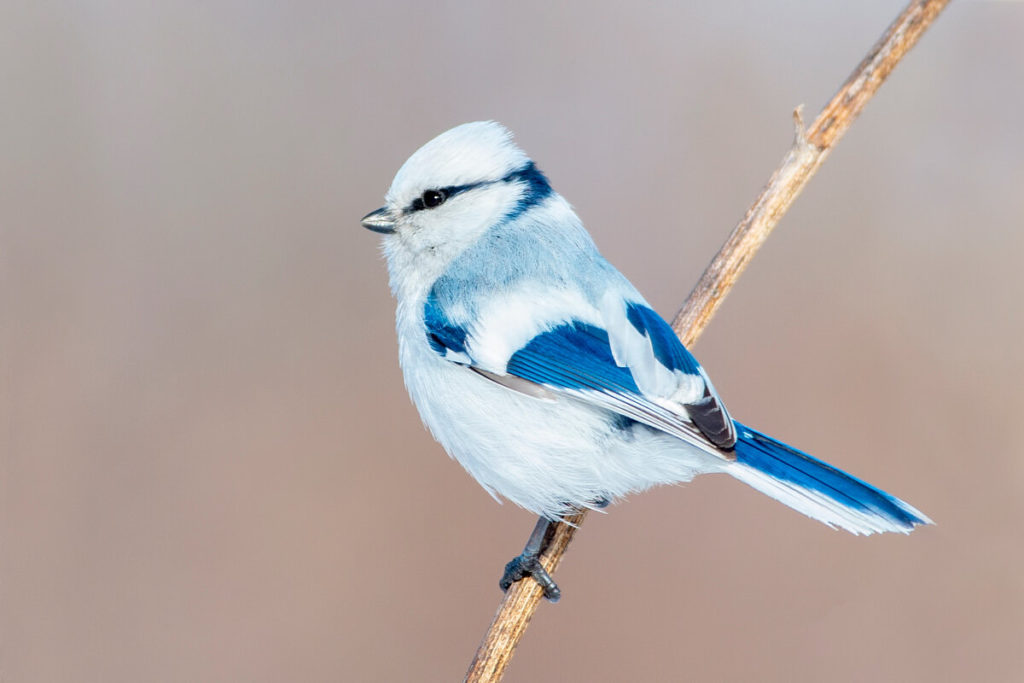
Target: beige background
point(211, 471)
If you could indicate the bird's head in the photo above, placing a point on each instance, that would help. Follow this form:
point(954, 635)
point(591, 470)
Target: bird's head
point(456, 187)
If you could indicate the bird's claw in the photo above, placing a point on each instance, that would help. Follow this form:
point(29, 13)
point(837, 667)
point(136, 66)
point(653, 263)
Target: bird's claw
point(529, 565)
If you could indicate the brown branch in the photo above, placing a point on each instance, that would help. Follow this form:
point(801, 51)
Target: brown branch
point(807, 153)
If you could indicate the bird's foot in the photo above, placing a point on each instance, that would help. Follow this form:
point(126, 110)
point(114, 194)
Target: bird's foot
point(529, 565)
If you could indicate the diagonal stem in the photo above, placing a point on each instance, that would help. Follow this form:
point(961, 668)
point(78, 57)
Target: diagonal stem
point(808, 152)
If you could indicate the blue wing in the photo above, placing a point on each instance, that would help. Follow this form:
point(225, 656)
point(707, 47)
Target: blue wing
point(577, 358)
point(641, 370)
point(706, 410)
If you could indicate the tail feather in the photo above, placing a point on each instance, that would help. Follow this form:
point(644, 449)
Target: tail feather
point(817, 489)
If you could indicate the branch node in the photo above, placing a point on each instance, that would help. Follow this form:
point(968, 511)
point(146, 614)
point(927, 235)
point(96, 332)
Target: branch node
point(801, 143)
point(798, 122)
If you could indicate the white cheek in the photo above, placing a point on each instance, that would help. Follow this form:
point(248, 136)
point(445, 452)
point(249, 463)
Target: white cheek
point(467, 216)
point(427, 241)
point(456, 225)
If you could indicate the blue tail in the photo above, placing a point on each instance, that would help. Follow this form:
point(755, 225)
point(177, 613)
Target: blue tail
point(817, 489)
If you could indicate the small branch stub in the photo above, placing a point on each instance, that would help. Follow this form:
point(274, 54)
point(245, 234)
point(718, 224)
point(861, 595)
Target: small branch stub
point(800, 140)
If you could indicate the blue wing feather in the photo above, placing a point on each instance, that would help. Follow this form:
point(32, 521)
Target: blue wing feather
point(577, 358)
point(707, 412)
point(442, 333)
point(667, 348)
point(575, 355)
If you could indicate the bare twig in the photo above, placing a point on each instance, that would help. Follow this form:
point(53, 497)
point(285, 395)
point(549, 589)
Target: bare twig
point(807, 153)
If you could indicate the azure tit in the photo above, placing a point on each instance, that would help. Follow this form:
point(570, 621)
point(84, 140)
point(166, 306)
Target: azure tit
point(545, 373)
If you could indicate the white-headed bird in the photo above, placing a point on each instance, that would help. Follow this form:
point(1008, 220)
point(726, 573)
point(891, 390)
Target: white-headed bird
point(545, 373)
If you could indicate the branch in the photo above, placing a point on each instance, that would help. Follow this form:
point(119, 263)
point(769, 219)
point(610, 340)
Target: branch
point(809, 150)
point(808, 153)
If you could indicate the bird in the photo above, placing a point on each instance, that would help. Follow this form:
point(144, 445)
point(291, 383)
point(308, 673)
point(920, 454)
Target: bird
point(544, 372)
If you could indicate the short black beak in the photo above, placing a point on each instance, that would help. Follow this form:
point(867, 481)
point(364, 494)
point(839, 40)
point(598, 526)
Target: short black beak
point(380, 220)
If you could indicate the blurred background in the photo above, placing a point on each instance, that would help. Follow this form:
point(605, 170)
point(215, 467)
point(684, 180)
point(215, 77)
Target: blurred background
point(210, 468)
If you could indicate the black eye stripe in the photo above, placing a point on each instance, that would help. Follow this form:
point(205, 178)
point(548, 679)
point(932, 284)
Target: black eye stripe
point(537, 188)
point(421, 202)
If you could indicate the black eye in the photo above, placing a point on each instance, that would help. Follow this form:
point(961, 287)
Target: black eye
point(432, 198)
